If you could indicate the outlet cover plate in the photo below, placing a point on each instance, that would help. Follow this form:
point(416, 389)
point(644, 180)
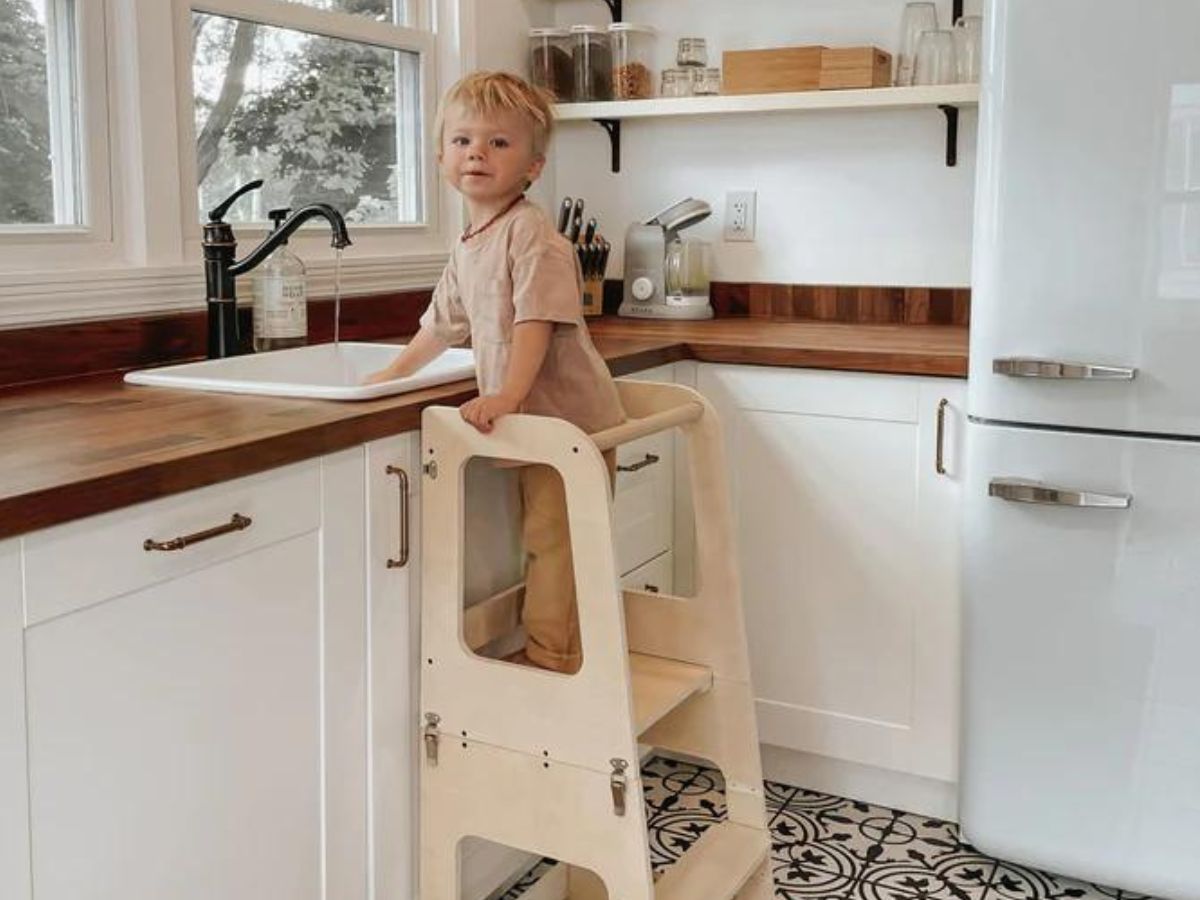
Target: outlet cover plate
point(741, 215)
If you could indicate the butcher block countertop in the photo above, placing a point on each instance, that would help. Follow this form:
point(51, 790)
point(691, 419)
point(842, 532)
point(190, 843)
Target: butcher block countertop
point(87, 446)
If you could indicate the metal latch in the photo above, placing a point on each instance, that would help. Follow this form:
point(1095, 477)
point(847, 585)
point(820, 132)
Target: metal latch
point(431, 469)
point(432, 736)
point(617, 783)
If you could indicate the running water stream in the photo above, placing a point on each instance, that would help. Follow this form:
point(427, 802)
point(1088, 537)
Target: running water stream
point(337, 297)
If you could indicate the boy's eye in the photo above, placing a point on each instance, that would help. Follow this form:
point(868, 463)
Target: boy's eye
point(499, 142)
point(459, 141)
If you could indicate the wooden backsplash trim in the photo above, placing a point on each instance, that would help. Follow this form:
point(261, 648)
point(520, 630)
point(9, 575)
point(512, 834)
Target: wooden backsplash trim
point(51, 352)
point(844, 303)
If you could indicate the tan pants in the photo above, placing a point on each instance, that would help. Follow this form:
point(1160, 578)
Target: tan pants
point(551, 615)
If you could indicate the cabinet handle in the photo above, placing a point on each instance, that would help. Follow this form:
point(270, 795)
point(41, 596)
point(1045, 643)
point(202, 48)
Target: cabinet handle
point(1021, 490)
point(939, 462)
point(1025, 367)
point(237, 523)
point(650, 588)
point(650, 460)
point(402, 476)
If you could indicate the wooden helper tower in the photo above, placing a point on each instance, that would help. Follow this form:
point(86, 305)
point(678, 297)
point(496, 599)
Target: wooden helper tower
point(548, 763)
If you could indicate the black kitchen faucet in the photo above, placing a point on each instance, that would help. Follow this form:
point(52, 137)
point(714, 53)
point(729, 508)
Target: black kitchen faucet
point(221, 267)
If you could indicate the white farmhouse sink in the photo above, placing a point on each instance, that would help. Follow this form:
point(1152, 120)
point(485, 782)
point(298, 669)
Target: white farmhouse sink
point(324, 371)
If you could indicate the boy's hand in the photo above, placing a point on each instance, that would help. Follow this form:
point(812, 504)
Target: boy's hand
point(483, 411)
point(382, 375)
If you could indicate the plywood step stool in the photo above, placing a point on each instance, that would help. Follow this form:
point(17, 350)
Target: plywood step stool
point(548, 763)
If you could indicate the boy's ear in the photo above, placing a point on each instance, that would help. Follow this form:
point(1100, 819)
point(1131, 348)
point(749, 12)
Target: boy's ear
point(535, 169)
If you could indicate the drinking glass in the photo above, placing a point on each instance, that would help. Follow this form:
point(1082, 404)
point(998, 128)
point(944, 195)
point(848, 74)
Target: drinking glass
point(968, 43)
point(917, 18)
point(935, 58)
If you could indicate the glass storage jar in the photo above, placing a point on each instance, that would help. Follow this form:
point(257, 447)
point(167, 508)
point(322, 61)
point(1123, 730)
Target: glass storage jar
point(676, 83)
point(591, 53)
point(550, 63)
point(633, 55)
point(692, 52)
point(706, 81)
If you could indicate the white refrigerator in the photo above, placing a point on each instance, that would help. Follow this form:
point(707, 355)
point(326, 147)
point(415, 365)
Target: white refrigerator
point(1081, 682)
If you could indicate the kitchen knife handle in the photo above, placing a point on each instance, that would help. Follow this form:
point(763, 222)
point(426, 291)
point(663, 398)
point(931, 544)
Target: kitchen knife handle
point(1022, 490)
point(590, 233)
point(564, 215)
point(1027, 367)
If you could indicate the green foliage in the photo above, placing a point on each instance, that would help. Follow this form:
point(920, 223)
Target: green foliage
point(26, 191)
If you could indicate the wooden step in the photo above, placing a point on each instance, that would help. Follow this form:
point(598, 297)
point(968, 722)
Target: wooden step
point(661, 684)
point(717, 866)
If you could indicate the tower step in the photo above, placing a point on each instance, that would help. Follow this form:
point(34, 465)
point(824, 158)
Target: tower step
point(661, 684)
point(717, 866)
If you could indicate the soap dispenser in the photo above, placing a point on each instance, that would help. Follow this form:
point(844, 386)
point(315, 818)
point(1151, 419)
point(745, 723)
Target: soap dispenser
point(280, 297)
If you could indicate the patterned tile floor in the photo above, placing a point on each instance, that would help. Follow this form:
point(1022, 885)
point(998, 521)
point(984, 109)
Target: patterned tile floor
point(830, 848)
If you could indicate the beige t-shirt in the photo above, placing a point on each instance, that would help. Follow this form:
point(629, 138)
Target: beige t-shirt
point(521, 270)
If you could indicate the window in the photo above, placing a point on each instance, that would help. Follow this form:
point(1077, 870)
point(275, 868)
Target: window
point(321, 99)
point(40, 156)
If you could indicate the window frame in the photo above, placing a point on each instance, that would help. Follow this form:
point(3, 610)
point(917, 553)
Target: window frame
point(88, 118)
point(371, 239)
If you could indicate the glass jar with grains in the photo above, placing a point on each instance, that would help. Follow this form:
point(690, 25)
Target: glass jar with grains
point(592, 56)
point(633, 53)
point(550, 63)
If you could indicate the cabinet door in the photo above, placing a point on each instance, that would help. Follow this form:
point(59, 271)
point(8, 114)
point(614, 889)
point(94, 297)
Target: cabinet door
point(393, 554)
point(643, 505)
point(202, 733)
point(849, 607)
point(14, 786)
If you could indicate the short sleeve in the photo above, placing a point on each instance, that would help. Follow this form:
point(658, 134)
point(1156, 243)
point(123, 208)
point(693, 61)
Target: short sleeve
point(545, 275)
point(446, 316)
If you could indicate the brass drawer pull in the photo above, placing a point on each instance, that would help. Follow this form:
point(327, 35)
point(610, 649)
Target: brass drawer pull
point(237, 523)
point(650, 588)
point(939, 463)
point(402, 560)
point(650, 460)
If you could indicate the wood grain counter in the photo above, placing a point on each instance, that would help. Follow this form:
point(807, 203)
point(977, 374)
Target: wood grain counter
point(78, 448)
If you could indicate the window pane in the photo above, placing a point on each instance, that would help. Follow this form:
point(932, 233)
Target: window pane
point(317, 118)
point(38, 180)
point(381, 10)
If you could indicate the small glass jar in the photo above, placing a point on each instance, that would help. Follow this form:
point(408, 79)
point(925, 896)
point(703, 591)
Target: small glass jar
point(550, 63)
point(676, 83)
point(706, 82)
point(633, 55)
point(591, 54)
point(692, 52)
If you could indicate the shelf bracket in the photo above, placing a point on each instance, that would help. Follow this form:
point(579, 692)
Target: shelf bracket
point(614, 7)
point(951, 133)
point(613, 127)
point(955, 15)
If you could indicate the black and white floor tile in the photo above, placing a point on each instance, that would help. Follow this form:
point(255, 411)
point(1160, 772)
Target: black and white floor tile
point(831, 848)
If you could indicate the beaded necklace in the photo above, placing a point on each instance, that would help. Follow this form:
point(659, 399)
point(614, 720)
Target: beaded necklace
point(468, 233)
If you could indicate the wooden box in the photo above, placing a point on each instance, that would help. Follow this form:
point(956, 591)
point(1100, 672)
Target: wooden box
point(771, 71)
point(855, 67)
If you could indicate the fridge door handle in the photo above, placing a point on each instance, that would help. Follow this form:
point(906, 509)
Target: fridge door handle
point(1021, 490)
point(1028, 367)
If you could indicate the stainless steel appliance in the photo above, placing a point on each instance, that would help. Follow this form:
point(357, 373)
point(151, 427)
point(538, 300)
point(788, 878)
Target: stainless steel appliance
point(666, 275)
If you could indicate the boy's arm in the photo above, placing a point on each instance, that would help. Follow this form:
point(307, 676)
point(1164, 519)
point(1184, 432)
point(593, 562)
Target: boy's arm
point(531, 340)
point(420, 351)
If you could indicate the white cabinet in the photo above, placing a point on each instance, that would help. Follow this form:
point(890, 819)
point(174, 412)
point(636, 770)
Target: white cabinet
point(643, 502)
point(14, 787)
point(848, 549)
point(230, 719)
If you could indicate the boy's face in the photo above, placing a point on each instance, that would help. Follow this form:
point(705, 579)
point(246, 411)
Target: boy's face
point(488, 158)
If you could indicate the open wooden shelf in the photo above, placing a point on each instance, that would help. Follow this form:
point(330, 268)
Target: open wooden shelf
point(929, 97)
point(660, 685)
point(948, 98)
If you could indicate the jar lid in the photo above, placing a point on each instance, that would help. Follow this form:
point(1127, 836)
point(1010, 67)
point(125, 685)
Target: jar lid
point(549, 32)
point(691, 42)
point(587, 29)
point(629, 26)
point(677, 73)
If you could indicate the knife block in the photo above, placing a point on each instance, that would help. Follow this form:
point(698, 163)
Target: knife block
point(593, 296)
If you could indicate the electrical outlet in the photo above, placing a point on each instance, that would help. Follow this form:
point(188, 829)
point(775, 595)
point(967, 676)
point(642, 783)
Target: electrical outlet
point(740, 215)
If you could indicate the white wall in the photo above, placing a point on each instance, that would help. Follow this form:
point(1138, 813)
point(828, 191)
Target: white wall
point(843, 197)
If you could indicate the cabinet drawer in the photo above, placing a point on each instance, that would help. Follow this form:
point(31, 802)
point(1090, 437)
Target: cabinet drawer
point(74, 566)
point(642, 503)
point(655, 576)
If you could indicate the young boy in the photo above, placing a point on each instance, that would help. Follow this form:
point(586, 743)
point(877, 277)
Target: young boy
point(513, 286)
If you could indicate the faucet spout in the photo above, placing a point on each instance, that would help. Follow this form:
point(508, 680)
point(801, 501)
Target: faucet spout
point(341, 237)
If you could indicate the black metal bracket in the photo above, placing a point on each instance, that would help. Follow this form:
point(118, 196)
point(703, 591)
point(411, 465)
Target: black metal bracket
point(613, 127)
point(614, 7)
point(951, 133)
point(957, 6)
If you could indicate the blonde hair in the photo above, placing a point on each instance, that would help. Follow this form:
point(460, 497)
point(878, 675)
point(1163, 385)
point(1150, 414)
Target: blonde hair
point(485, 93)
